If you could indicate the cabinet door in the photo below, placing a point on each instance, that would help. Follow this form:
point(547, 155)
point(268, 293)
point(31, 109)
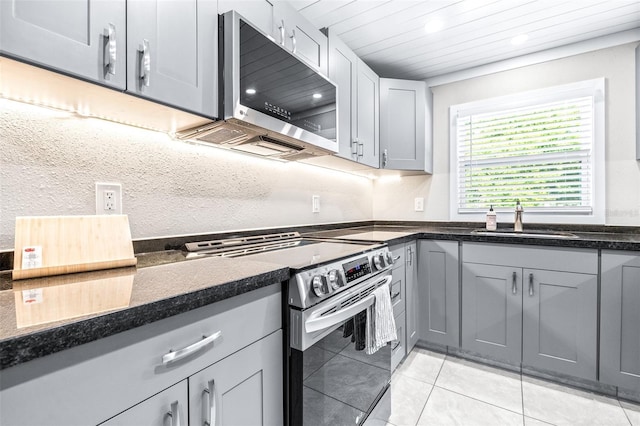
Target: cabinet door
point(492, 311)
point(560, 322)
point(258, 12)
point(343, 64)
point(402, 124)
point(169, 408)
point(411, 294)
point(300, 36)
point(368, 102)
point(84, 38)
point(438, 291)
point(399, 346)
point(172, 53)
point(619, 319)
point(242, 389)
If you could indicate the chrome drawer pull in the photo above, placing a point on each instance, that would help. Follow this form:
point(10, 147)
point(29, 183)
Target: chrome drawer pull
point(210, 395)
point(145, 63)
point(174, 356)
point(110, 50)
point(530, 284)
point(514, 286)
point(174, 414)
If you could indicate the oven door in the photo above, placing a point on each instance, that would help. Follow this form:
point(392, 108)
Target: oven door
point(332, 380)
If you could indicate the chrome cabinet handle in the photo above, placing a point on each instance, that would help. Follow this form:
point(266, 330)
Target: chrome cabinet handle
point(210, 403)
point(410, 259)
point(145, 63)
point(385, 156)
point(174, 414)
point(360, 149)
point(530, 284)
point(394, 347)
point(293, 41)
point(396, 258)
point(110, 50)
point(514, 285)
point(174, 356)
point(354, 146)
point(394, 295)
point(282, 32)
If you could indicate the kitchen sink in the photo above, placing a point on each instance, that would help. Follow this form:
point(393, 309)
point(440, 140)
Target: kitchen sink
point(530, 234)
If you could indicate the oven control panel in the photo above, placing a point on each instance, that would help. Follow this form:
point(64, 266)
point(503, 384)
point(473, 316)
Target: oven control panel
point(309, 287)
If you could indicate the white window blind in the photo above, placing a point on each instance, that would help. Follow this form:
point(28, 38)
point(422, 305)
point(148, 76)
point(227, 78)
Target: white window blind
point(539, 151)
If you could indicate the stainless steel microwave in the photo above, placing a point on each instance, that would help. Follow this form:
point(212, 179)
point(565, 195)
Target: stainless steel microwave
point(272, 103)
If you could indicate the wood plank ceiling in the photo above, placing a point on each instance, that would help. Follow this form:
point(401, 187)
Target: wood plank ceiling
point(390, 36)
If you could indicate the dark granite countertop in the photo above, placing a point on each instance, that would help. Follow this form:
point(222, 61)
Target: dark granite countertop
point(606, 238)
point(163, 284)
point(41, 316)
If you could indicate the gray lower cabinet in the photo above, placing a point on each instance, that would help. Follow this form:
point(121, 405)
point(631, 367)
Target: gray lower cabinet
point(127, 374)
point(172, 53)
point(168, 407)
point(438, 292)
point(411, 294)
point(404, 120)
point(84, 38)
point(620, 320)
point(531, 306)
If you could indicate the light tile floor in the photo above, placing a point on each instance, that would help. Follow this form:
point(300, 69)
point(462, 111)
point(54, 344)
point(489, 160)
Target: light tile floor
point(429, 388)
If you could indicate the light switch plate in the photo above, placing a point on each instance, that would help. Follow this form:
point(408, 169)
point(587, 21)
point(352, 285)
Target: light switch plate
point(315, 204)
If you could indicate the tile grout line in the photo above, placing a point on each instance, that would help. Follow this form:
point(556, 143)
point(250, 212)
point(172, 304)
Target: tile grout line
point(479, 400)
point(432, 388)
point(522, 398)
point(624, 411)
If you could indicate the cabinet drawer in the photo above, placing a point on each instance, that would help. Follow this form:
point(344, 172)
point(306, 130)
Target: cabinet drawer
point(399, 256)
point(397, 289)
point(554, 259)
point(104, 377)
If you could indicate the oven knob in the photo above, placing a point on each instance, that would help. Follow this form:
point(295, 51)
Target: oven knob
point(378, 261)
point(318, 286)
point(333, 278)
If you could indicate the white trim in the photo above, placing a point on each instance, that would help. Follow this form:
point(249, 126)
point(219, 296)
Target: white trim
point(595, 87)
point(578, 48)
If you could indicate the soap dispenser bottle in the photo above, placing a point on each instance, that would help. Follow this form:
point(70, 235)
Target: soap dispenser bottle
point(517, 223)
point(492, 222)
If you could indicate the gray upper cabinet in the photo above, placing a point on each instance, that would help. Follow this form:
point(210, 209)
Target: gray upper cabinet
point(438, 292)
point(411, 294)
point(619, 321)
point(358, 104)
point(531, 306)
point(172, 53)
point(83, 38)
point(258, 12)
point(343, 71)
point(299, 36)
point(368, 116)
point(403, 125)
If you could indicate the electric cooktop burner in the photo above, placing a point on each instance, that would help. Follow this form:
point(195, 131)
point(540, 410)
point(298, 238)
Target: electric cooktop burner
point(288, 249)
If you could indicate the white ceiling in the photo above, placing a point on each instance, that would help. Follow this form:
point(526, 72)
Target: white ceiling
point(390, 35)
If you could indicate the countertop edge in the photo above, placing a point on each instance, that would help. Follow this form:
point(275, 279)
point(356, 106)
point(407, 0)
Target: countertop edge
point(20, 349)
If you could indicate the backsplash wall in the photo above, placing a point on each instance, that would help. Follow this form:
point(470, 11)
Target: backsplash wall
point(393, 200)
point(50, 161)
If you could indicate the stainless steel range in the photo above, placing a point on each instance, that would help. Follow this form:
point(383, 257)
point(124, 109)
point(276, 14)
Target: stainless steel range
point(331, 379)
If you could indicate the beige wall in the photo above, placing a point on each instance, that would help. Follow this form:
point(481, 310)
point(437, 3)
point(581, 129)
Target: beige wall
point(394, 199)
point(50, 161)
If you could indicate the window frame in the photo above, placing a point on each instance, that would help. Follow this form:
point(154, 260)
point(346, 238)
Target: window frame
point(594, 88)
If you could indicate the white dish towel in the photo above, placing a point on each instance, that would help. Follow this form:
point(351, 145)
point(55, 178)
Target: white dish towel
point(381, 327)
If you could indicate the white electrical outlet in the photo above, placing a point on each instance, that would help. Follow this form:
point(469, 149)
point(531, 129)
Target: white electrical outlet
point(108, 198)
point(418, 204)
point(315, 204)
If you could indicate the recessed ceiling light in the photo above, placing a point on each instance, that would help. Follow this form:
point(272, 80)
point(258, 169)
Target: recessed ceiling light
point(317, 95)
point(519, 39)
point(433, 26)
point(250, 91)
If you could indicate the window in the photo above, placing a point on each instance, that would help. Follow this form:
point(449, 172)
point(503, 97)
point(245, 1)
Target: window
point(544, 148)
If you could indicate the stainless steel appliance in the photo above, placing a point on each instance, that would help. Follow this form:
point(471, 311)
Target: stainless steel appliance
point(273, 104)
point(331, 380)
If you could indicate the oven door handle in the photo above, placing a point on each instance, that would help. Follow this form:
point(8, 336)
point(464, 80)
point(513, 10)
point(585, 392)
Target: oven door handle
point(317, 323)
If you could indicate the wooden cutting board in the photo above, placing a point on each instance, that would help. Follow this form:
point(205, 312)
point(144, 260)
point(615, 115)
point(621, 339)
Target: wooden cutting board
point(55, 245)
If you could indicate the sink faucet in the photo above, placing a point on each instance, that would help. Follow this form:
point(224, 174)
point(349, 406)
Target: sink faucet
point(517, 224)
